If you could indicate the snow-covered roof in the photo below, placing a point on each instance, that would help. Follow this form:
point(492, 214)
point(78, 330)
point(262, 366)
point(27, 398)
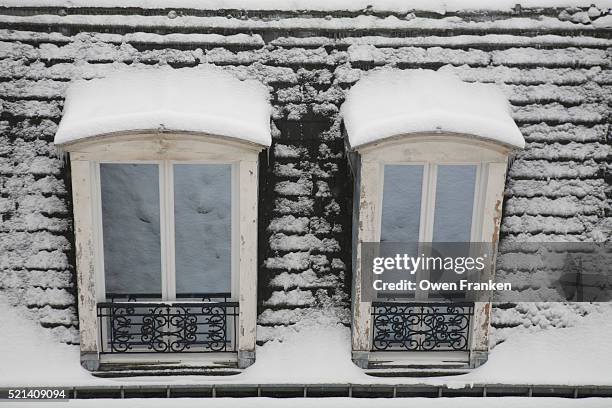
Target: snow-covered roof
point(440, 6)
point(391, 102)
point(197, 100)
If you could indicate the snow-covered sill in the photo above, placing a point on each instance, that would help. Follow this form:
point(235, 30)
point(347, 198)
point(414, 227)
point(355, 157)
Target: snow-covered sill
point(182, 359)
point(438, 357)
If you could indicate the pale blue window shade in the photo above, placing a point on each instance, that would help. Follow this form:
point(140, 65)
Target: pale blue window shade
point(202, 222)
point(130, 227)
point(454, 203)
point(401, 206)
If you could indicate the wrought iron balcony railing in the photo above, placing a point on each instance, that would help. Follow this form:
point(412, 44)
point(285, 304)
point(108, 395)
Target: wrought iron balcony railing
point(421, 326)
point(143, 323)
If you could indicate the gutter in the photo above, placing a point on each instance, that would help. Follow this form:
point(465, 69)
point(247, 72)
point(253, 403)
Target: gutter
point(328, 390)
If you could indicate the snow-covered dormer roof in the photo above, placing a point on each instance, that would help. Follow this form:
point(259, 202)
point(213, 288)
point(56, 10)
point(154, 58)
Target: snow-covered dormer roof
point(196, 100)
point(391, 102)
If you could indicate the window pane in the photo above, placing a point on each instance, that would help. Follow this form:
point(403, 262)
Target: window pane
point(401, 206)
point(130, 223)
point(202, 216)
point(454, 202)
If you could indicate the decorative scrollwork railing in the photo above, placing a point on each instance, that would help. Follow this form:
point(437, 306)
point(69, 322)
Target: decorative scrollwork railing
point(131, 325)
point(421, 326)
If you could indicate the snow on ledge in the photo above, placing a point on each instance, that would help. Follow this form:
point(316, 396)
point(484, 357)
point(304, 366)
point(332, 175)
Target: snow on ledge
point(391, 102)
point(203, 100)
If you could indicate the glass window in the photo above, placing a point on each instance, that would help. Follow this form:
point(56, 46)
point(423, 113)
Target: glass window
point(132, 238)
point(131, 228)
point(401, 205)
point(202, 224)
point(455, 187)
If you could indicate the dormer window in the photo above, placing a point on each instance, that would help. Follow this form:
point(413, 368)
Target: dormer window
point(164, 176)
point(429, 155)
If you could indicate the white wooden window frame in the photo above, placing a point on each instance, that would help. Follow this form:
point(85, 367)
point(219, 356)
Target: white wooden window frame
point(429, 184)
point(428, 196)
point(167, 227)
point(430, 150)
point(171, 148)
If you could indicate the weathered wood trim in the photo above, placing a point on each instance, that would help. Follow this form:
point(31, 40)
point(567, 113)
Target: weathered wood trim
point(367, 232)
point(247, 199)
point(82, 174)
point(434, 147)
point(494, 196)
point(491, 219)
point(162, 146)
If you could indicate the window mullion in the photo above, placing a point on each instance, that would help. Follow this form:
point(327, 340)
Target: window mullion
point(426, 228)
point(98, 236)
point(168, 236)
point(379, 204)
point(429, 203)
point(478, 209)
point(235, 230)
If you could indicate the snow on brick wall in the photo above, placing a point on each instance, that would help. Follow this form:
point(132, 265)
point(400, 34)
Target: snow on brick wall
point(552, 64)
